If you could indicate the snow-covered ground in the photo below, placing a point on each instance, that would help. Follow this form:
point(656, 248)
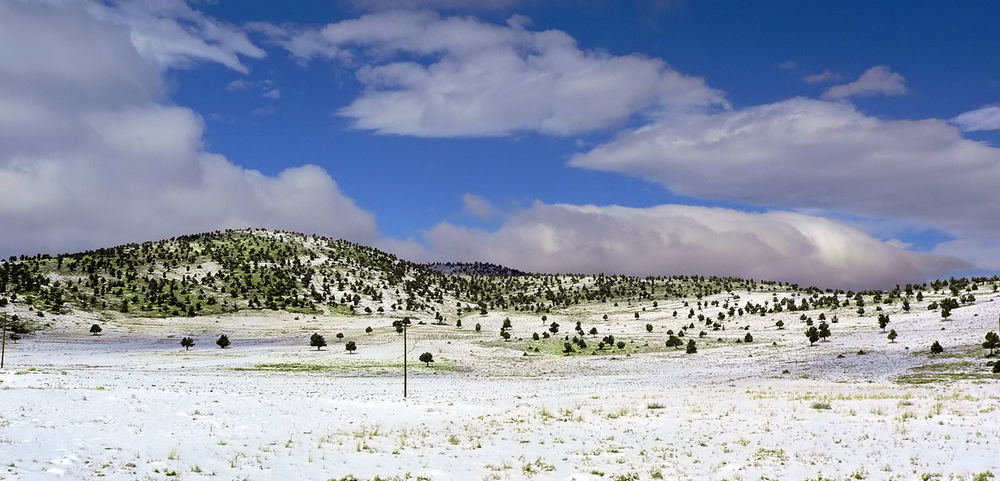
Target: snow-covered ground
point(132, 404)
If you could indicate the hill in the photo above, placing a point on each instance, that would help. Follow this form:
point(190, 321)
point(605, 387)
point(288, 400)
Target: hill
point(253, 269)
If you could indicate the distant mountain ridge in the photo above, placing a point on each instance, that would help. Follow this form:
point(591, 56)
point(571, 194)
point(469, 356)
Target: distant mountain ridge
point(473, 268)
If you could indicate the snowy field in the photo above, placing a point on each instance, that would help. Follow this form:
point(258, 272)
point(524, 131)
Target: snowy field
point(131, 404)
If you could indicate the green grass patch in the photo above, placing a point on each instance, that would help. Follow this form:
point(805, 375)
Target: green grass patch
point(944, 377)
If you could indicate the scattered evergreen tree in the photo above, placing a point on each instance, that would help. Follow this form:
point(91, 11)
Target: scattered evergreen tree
point(992, 342)
point(674, 341)
point(95, 330)
point(748, 338)
point(340, 336)
point(187, 343)
point(427, 358)
point(351, 346)
point(824, 331)
point(883, 320)
point(691, 347)
point(780, 324)
point(649, 328)
point(479, 327)
point(368, 330)
point(222, 341)
point(317, 341)
point(812, 334)
point(936, 348)
point(892, 335)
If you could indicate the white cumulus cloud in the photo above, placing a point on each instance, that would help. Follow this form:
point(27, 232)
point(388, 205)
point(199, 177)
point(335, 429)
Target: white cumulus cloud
point(679, 239)
point(431, 76)
point(813, 154)
point(91, 154)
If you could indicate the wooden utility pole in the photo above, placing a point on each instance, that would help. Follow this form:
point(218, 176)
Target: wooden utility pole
point(404, 359)
point(3, 349)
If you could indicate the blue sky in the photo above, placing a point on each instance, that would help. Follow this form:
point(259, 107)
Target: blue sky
point(842, 119)
point(736, 46)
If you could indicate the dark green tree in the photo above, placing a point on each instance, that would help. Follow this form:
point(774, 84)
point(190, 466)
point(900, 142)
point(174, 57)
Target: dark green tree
point(824, 331)
point(812, 334)
point(992, 342)
point(427, 358)
point(317, 341)
point(222, 341)
point(187, 343)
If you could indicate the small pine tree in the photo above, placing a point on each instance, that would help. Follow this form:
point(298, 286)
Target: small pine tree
point(883, 320)
point(996, 367)
point(691, 347)
point(824, 330)
point(340, 336)
point(222, 341)
point(992, 342)
point(458, 323)
point(892, 335)
point(812, 334)
point(317, 341)
point(478, 327)
point(649, 328)
point(187, 343)
point(780, 324)
point(95, 330)
point(936, 348)
point(427, 358)
point(748, 338)
point(351, 346)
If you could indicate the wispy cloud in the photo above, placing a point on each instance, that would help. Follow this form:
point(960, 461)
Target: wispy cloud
point(822, 77)
point(983, 118)
point(878, 80)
